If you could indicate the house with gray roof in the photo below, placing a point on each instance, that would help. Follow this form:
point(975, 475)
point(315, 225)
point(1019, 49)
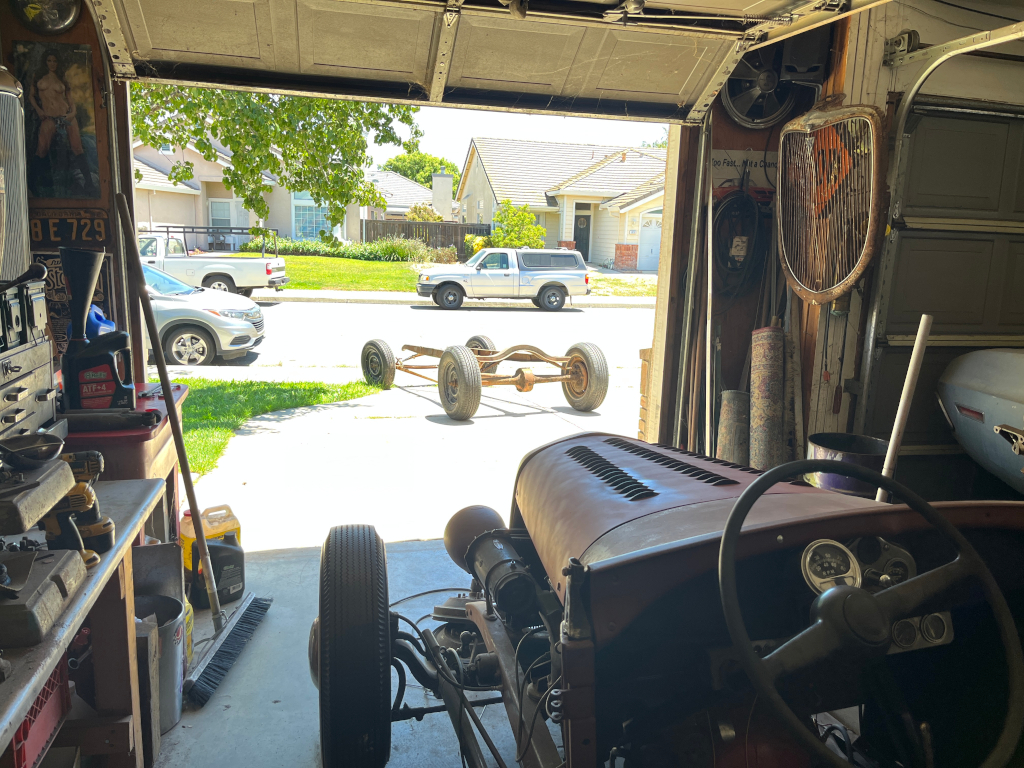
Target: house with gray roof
point(605, 201)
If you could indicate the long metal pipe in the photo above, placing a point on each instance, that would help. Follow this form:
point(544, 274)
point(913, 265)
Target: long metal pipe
point(709, 350)
point(703, 151)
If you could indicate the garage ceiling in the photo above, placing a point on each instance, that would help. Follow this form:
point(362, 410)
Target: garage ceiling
point(666, 63)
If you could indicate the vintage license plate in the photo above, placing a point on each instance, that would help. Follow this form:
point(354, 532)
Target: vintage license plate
point(52, 228)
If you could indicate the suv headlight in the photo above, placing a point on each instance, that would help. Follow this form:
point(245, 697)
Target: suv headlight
point(234, 314)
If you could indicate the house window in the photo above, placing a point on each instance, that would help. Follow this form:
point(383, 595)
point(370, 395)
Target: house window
point(308, 218)
point(220, 213)
point(479, 203)
point(582, 207)
point(479, 218)
point(166, 149)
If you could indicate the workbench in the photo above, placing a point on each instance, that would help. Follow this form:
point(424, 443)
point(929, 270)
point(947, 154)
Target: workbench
point(107, 596)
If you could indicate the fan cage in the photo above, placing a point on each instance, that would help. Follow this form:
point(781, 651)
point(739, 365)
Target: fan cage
point(829, 200)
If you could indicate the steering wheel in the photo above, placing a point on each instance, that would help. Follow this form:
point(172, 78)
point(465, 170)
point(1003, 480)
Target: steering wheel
point(851, 622)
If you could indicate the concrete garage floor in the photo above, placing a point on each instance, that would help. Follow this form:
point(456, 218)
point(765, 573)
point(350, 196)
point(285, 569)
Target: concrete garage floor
point(265, 713)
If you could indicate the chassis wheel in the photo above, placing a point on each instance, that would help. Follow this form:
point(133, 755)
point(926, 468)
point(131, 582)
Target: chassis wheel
point(449, 296)
point(551, 299)
point(354, 639)
point(459, 383)
point(378, 363)
point(484, 342)
point(589, 370)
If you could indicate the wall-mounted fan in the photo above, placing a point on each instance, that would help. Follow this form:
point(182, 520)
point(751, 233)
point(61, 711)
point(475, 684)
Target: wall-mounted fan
point(831, 190)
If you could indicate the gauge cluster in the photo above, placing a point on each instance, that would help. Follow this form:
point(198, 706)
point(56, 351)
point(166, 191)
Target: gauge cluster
point(874, 564)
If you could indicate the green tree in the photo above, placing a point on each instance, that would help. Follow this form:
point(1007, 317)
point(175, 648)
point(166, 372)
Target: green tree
point(423, 212)
point(661, 143)
point(420, 166)
point(309, 145)
point(516, 227)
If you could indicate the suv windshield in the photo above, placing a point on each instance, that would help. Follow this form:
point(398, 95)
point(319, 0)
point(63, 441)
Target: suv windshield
point(164, 284)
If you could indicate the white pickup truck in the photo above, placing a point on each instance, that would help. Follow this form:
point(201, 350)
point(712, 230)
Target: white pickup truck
point(545, 277)
point(228, 272)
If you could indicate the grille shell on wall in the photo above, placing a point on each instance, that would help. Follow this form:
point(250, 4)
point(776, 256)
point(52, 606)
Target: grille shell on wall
point(15, 242)
point(831, 196)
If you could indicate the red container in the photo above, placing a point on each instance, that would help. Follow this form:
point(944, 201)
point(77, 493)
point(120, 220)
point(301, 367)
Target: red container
point(44, 719)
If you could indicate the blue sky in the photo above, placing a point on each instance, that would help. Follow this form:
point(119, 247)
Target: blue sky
point(446, 131)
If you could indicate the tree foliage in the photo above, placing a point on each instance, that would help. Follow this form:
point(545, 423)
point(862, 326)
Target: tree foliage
point(661, 143)
point(420, 166)
point(516, 227)
point(423, 212)
point(309, 145)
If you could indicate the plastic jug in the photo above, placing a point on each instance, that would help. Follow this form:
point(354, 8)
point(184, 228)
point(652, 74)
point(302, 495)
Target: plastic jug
point(217, 521)
point(228, 561)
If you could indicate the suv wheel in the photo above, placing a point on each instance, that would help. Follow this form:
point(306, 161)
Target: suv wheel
point(189, 346)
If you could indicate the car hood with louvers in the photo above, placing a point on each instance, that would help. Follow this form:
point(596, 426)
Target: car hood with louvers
point(644, 517)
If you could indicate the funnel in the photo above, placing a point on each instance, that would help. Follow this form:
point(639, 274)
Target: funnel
point(81, 272)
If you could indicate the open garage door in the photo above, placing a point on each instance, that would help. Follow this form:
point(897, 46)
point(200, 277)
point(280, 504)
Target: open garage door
point(662, 61)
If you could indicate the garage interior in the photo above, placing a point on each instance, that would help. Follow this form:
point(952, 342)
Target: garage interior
point(621, 585)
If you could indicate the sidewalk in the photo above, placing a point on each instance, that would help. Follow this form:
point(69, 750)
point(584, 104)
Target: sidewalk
point(400, 297)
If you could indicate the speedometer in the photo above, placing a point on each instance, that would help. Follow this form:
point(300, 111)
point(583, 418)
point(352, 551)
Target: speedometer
point(826, 564)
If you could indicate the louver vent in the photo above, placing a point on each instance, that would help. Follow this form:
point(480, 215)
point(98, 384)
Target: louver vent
point(731, 465)
point(830, 195)
point(697, 473)
point(621, 481)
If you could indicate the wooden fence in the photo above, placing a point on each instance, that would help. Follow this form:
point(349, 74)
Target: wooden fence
point(436, 234)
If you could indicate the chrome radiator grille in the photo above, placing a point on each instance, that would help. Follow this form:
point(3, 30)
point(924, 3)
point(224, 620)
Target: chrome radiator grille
point(12, 161)
point(829, 197)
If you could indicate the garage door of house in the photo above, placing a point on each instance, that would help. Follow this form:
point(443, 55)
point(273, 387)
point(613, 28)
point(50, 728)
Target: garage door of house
point(650, 241)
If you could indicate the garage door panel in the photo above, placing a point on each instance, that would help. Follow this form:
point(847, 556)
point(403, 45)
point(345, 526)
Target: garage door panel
point(219, 32)
point(354, 40)
point(1013, 287)
point(946, 278)
point(507, 54)
point(957, 164)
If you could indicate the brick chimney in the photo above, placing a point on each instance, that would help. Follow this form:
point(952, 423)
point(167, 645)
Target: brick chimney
point(441, 186)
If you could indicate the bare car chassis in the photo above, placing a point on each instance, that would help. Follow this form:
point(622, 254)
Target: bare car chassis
point(463, 371)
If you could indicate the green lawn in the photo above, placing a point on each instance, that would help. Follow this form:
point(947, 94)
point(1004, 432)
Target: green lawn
point(618, 286)
point(215, 409)
point(336, 274)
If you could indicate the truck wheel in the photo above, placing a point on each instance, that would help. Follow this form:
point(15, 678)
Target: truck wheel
point(589, 370)
point(378, 364)
point(536, 302)
point(551, 298)
point(219, 283)
point(247, 292)
point(450, 296)
point(189, 345)
point(354, 653)
point(483, 342)
point(459, 383)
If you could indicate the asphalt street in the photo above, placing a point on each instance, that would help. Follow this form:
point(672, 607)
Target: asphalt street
point(395, 459)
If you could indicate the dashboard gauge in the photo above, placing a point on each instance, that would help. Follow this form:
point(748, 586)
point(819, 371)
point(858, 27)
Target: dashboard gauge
point(897, 570)
point(826, 564)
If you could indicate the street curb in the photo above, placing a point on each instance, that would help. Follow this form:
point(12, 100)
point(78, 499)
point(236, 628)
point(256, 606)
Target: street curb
point(415, 302)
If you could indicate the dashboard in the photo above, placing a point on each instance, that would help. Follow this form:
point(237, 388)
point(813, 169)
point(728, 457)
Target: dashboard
point(874, 564)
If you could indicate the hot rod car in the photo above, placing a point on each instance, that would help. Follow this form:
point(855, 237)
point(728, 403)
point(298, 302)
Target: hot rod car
point(628, 615)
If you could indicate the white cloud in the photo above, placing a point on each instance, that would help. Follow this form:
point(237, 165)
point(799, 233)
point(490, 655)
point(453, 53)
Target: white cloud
point(447, 131)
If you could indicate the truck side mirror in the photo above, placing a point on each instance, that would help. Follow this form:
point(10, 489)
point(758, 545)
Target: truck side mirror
point(479, 267)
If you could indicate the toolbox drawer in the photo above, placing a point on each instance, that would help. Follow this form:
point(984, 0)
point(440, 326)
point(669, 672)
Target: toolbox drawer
point(28, 394)
point(28, 422)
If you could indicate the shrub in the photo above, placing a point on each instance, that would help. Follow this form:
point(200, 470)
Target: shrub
point(423, 212)
point(516, 227)
point(387, 249)
point(475, 243)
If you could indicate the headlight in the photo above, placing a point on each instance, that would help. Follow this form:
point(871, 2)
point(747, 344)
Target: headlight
point(424, 278)
point(234, 314)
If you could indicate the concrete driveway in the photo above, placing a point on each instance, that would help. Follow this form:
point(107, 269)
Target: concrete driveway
point(395, 459)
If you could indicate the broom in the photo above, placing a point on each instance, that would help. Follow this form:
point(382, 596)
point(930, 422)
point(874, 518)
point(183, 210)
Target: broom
point(229, 637)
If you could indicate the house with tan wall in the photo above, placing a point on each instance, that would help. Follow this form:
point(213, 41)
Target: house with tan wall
point(604, 201)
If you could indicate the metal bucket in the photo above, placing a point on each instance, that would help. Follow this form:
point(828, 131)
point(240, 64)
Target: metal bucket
point(853, 449)
point(170, 619)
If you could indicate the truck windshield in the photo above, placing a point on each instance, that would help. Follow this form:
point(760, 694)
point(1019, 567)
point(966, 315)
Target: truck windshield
point(473, 261)
point(164, 284)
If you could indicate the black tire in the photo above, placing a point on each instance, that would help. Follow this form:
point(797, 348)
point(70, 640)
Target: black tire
point(483, 342)
point(588, 390)
point(459, 384)
point(536, 302)
point(247, 292)
point(551, 298)
point(220, 283)
point(378, 363)
point(355, 650)
point(449, 296)
point(433, 298)
point(189, 345)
